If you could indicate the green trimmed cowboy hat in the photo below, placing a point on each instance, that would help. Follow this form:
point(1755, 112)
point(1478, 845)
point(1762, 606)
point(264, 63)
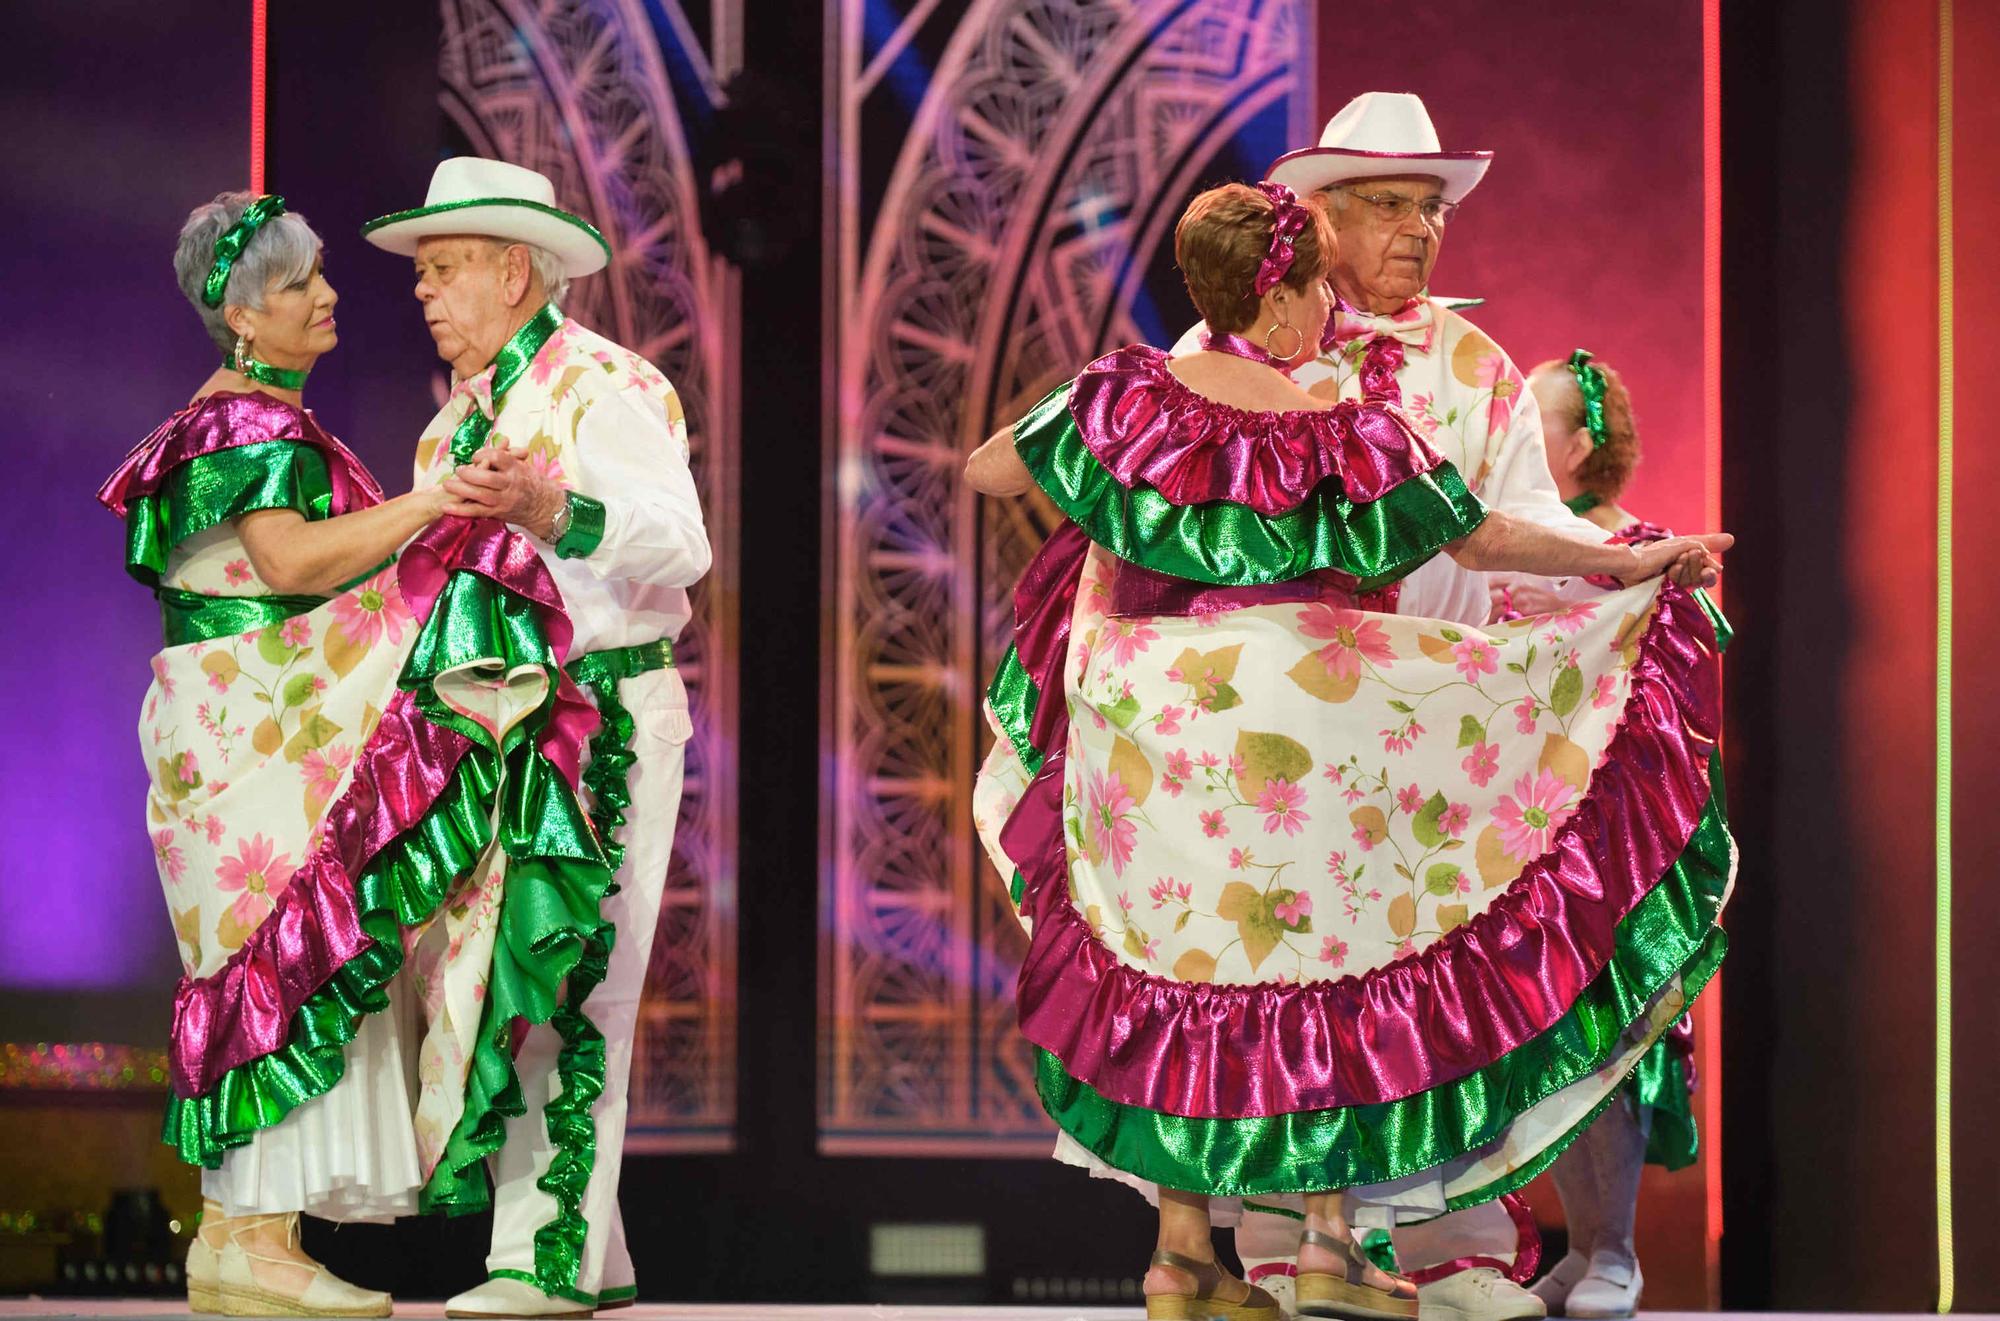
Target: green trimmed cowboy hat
point(473, 195)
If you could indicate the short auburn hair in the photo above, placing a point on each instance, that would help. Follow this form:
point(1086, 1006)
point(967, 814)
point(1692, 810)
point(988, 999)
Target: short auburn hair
point(1222, 239)
point(1610, 465)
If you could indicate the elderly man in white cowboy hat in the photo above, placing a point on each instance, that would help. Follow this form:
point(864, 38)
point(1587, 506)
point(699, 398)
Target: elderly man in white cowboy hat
point(583, 445)
point(1392, 190)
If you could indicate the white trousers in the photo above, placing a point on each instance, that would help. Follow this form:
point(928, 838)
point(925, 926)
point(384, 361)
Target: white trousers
point(519, 1207)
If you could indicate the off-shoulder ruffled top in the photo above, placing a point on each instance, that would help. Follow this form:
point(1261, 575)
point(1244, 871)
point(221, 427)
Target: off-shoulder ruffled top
point(224, 455)
point(1169, 479)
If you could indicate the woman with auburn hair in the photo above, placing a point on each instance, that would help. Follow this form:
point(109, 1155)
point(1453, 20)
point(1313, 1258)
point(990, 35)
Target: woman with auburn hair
point(1314, 891)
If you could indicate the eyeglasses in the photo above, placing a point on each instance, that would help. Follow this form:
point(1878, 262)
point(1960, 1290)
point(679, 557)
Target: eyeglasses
point(1394, 208)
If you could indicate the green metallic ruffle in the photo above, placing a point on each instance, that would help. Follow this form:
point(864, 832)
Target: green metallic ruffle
point(211, 489)
point(1724, 631)
point(494, 1093)
point(1012, 697)
point(1670, 932)
point(402, 886)
point(571, 1129)
point(549, 929)
point(1229, 545)
point(1659, 1083)
point(477, 626)
point(539, 820)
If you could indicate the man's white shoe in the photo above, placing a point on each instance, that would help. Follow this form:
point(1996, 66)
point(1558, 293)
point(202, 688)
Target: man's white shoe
point(504, 1297)
point(1479, 1294)
point(1554, 1288)
point(1610, 1291)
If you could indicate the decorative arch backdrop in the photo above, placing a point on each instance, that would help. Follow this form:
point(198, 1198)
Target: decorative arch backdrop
point(1003, 180)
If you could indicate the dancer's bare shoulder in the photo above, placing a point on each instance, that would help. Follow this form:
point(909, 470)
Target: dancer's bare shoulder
point(1239, 383)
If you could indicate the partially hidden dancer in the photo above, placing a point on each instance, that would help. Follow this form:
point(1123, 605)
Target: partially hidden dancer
point(1367, 911)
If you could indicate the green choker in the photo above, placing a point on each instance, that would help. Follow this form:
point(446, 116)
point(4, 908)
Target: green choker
point(265, 374)
point(1584, 503)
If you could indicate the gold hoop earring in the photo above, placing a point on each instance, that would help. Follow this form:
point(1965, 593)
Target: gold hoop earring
point(1297, 348)
point(236, 358)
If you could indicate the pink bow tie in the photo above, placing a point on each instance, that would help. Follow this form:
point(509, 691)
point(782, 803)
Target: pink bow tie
point(478, 390)
point(1412, 325)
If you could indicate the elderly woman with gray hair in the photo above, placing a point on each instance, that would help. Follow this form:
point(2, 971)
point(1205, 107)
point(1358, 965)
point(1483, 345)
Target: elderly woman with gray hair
point(329, 763)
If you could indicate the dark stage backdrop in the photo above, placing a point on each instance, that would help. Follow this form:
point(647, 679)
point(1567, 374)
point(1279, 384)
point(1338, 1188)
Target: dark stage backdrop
point(125, 118)
point(138, 114)
point(1833, 400)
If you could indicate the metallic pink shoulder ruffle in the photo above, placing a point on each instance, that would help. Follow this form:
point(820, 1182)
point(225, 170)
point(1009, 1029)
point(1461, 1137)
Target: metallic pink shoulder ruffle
point(1233, 1051)
point(225, 420)
point(1147, 428)
point(243, 1011)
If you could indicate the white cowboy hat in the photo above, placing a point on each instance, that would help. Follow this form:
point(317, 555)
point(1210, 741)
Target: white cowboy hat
point(1375, 134)
point(472, 195)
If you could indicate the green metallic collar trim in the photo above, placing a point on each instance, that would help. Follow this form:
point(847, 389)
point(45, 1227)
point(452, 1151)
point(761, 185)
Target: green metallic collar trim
point(508, 366)
point(282, 378)
point(418, 213)
point(1584, 503)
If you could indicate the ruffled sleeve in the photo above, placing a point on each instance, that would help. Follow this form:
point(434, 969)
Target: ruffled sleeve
point(223, 457)
point(1170, 481)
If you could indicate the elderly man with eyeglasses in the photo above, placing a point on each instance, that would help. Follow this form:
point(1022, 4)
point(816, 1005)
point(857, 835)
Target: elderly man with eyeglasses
point(1392, 192)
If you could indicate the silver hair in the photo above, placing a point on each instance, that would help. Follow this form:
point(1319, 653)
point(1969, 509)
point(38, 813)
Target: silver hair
point(280, 253)
point(549, 267)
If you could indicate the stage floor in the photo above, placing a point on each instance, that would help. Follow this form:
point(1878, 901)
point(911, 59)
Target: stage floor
point(146, 1309)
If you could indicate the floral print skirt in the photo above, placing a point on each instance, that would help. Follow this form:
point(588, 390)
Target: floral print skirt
point(248, 739)
point(1300, 800)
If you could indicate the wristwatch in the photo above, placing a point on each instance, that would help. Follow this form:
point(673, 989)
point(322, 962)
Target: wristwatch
point(565, 514)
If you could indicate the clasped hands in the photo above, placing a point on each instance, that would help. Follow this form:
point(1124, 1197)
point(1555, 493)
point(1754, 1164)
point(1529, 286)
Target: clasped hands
point(1686, 561)
point(499, 483)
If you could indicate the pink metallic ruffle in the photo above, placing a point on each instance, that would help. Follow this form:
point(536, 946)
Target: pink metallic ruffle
point(1147, 428)
point(244, 1010)
point(1233, 1051)
point(223, 421)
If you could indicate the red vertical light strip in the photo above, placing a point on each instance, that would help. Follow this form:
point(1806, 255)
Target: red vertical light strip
point(257, 26)
point(1710, 1023)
